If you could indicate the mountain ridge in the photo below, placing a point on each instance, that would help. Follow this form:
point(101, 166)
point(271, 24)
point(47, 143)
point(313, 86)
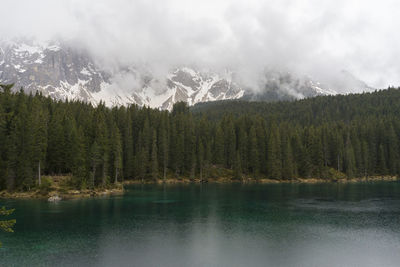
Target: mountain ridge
point(64, 72)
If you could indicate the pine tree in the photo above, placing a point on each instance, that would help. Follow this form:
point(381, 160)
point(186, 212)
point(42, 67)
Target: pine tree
point(207, 158)
point(164, 147)
point(365, 158)
point(179, 149)
point(392, 150)
point(219, 146)
point(39, 129)
point(78, 168)
point(102, 138)
point(200, 158)
point(116, 148)
point(23, 142)
point(261, 145)
point(230, 143)
point(142, 158)
point(128, 153)
point(238, 167)
point(253, 152)
point(56, 145)
point(349, 165)
point(316, 151)
point(381, 163)
point(95, 159)
point(274, 163)
point(242, 141)
point(154, 157)
point(287, 159)
point(8, 150)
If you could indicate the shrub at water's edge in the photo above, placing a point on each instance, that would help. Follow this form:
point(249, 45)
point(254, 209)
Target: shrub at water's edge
point(63, 187)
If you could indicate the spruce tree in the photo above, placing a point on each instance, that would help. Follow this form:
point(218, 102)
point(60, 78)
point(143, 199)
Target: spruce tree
point(219, 146)
point(95, 159)
point(253, 152)
point(274, 163)
point(154, 157)
point(39, 129)
point(164, 147)
point(128, 153)
point(116, 148)
point(238, 167)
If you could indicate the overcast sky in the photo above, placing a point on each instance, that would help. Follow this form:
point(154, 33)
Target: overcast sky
point(314, 37)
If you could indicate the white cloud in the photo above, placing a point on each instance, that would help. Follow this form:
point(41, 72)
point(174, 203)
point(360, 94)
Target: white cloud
point(317, 37)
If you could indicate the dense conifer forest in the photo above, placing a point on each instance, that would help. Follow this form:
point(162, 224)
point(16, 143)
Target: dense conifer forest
point(323, 137)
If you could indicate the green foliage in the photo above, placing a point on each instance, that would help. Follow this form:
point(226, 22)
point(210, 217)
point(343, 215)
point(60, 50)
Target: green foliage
point(322, 137)
point(238, 167)
point(45, 187)
point(179, 108)
point(334, 174)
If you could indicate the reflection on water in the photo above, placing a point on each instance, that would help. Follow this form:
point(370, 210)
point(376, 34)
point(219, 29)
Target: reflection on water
point(212, 225)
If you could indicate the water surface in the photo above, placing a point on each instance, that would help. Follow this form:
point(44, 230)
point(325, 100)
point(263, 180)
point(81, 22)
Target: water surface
point(212, 225)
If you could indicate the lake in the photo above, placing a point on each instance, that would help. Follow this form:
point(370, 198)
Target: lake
point(212, 225)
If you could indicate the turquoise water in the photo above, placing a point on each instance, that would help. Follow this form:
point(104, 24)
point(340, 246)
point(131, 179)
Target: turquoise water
point(212, 225)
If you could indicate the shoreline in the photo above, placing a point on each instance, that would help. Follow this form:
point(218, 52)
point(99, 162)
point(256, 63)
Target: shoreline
point(56, 195)
point(264, 180)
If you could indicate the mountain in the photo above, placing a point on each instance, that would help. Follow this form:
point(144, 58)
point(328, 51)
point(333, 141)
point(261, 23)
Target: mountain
point(182, 84)
point(285, 86)
point(64, 72)
point(347, 83)
point(59, 72)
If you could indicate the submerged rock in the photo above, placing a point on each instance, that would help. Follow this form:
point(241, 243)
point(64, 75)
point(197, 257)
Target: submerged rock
point(54, 198)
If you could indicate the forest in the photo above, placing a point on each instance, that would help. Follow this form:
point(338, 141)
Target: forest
point(323, 137)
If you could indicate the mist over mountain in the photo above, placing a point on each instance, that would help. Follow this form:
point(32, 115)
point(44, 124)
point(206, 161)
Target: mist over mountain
point(63, 71)
point(308, 40)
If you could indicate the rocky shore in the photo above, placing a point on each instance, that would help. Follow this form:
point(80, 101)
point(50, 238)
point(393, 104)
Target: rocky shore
point(57, 195)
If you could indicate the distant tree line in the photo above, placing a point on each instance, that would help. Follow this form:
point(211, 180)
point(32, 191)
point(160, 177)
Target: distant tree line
point(354, 135)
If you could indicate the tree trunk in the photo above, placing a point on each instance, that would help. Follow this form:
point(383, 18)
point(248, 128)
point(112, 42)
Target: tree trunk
point(104, 174)
point(116, 175)
point(10, 179)
point(94, 173)
point(40, 177)
point(165, 171)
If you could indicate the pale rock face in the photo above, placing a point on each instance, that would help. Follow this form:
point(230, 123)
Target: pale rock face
point(62, 72)
point(57, 72)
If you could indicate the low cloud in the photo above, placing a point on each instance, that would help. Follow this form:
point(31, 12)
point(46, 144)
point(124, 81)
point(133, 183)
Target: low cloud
point(312, 37)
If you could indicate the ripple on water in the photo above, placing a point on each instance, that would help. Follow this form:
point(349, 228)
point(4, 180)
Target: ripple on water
point(164, 201)
point(367, 205)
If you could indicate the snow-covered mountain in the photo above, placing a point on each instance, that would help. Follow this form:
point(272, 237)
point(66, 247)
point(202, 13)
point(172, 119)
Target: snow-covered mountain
point(64, 72)
point(58, 72)
point(181, 84)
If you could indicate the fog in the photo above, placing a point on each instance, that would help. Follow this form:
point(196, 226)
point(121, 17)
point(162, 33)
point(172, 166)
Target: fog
point(309, 37)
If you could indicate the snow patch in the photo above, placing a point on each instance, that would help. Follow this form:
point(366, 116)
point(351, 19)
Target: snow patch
point(31, 50)
point(38, 61)
point(85, 71)
point(54, 48)
point(19, 68)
